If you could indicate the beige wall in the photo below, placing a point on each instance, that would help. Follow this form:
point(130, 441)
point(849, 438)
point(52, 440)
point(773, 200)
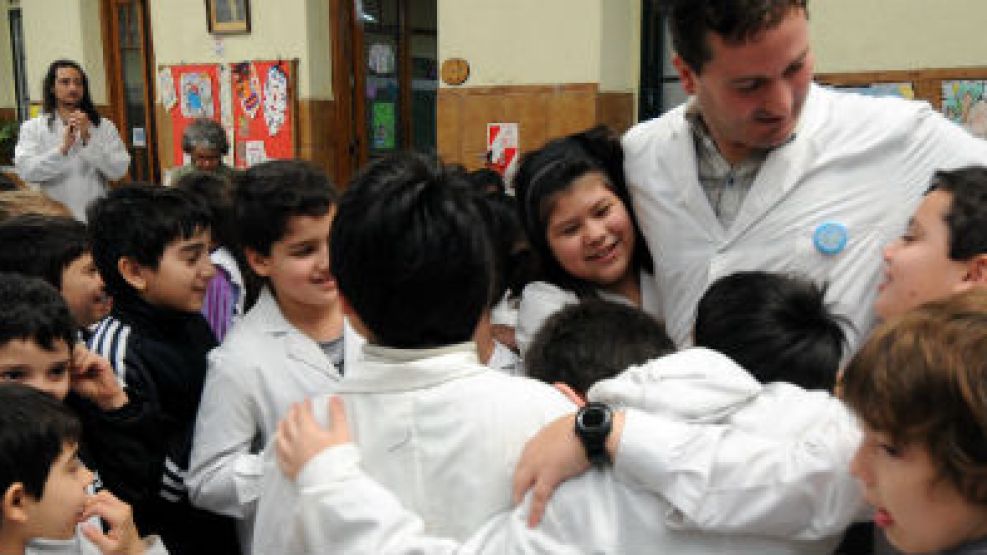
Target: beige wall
point(620, 45)
point(8, 98)
point(874, 35)
point(514, 42)
point(76, 24)
point(278, 29)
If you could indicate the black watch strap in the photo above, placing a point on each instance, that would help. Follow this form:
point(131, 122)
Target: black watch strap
point(593, 424)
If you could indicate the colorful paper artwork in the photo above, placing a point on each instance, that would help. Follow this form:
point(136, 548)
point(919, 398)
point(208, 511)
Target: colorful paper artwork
point(196, 95)
point(247, 87)
point(502, 148)
point(901, 90)
point(965, 103)
point(382, 123)
point(166, 88)
point(275, 99)
point(254, 152)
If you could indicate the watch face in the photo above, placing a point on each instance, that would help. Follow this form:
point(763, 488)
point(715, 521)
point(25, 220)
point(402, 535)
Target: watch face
point(594, 418)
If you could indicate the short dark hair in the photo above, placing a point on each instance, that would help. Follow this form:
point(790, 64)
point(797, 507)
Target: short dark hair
point(267, 195)
point(41, 246)
point(735, 21)
point(33, 310)
point(487, 181)
point(922, 379)
point(593, 340)
point(967, 215)
point(50, 103)
point(34, 429)
point(776, 326)
point(411, 254)
point(514, 264)
point(205, 132)
point(139, 221)
point(553, 168)
point(217, 194)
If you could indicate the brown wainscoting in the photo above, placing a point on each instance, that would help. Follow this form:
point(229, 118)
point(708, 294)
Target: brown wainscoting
point(317, 134)
point(8, 114)
point(542, 112)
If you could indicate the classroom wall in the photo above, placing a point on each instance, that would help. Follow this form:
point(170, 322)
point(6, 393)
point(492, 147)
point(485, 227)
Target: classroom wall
point(76, 23)
point(8, 97)
point(876, 35)
point(278, 29)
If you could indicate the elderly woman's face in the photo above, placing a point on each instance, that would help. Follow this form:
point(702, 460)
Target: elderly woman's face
point(206, 159)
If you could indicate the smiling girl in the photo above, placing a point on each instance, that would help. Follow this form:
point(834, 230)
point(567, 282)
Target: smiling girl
point(575, 208)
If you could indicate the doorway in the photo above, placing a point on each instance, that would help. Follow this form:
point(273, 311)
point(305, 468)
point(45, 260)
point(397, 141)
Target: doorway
point(387, 81)
point(129, 71)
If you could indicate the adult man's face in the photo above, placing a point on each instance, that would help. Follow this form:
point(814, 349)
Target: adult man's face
point(751, 94)
point(68, 87)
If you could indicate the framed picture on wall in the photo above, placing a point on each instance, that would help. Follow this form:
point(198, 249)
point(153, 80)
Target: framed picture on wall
point(228, 17)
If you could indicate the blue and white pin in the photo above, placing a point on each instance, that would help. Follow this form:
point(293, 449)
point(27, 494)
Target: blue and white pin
point(830, 238)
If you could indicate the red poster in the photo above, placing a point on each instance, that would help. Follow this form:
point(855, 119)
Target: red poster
point(197, 92)
point(263, 111)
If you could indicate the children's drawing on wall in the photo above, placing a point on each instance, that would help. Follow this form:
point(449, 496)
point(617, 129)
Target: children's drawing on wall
point(196, 95)
point(901, 90)
point(247, 87)
point(166, 88)
point(964, 103)
point(275, 99)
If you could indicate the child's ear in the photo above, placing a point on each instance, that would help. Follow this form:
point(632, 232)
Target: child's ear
point(977, 270)
point(260, 264)
point(13, 504)
point(132, 273)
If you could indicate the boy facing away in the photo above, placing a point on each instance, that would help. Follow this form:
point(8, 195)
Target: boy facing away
point(413, 264)
point(45, 500)
point(291, 345)
point(151, 245)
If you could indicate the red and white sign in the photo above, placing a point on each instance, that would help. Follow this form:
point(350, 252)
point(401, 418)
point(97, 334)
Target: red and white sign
point(502, 148)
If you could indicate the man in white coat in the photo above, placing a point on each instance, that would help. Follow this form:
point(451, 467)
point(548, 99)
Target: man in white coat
point(70, 151)
point(761, 169)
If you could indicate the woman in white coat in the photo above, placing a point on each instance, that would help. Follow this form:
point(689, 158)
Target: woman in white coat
point(574, 205)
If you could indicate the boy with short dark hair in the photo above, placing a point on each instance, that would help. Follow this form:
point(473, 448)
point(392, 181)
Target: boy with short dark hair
point(57, 250)
point(776, 326)
point(413, 262)
point(592, 341)
point(44, 484)
point(151, 245)
point(292, 344)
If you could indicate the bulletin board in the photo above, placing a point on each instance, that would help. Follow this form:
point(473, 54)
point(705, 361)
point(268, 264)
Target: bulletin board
point(960, 93)
point(263, 111)
point(255, 102)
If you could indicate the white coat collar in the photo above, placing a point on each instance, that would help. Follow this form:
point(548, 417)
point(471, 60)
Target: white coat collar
point(267, 316)
point(384, 369)
point(696, 385)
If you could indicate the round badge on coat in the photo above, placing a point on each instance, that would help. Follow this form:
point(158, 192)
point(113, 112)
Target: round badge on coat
point(830, 238)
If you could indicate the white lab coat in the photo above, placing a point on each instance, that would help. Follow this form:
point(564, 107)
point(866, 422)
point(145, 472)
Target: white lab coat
point(858, 161)
point(436, 427)
point(345, 511)
point(263, 366)
point(78, 177)
point(540, 299)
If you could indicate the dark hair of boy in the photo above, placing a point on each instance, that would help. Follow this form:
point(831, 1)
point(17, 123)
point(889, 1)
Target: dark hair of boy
point(50, 103)
point(967, 215)
point(267, 195)
point(42, 246)
point(777, 327)
point(545, 172)
point(514, 264)
point(593, 340)
point(34, 428)
point(139, 221)
point(408, 253)
point(735, 21)
point(33, 310)
point(486, 181)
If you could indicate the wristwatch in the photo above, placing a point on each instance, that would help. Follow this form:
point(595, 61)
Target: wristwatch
point(593, 423)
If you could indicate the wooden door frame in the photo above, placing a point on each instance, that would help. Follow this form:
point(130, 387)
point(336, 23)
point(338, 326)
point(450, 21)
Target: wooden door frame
point(113, 67)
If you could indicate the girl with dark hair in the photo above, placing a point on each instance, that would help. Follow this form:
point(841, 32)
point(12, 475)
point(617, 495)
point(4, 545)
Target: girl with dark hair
point(574, 205)
point(69, 150)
